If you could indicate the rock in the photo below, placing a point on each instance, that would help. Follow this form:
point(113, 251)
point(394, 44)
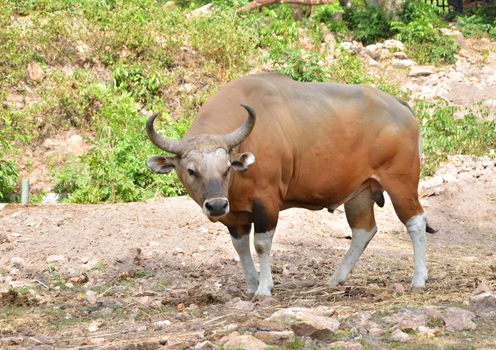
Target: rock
point(91, 297)
point(201, 11)
point(18, 262)
point(400, 55)
point(94, 326)
point(456, 77)
point(457, 319)
point(426, 331)
point(323, 310)
point(400, 336)
point(345, 345)
point(374, 51)
point(246, 342)
point(50, 198)
point(350, 47)
point(206, 345)
point(483, 286)
point(397, 63)
point(158, 325)
point(421, 71)
point(398, 288)
point(276, 337)
point(35, 72)
point(245, 306)
point(376, 332)
point(483, 304)
point(306, 322)
point(407, 319)
point(55, 258)
point(394, 45)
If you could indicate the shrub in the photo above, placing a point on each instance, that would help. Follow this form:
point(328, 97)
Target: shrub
point(114, 170)
point(479, 22)
point(8, 172)
point(419, 30)
point(367, 23)
point(442, 134)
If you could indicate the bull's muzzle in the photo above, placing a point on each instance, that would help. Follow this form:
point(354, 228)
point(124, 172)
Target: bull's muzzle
point(216, 206)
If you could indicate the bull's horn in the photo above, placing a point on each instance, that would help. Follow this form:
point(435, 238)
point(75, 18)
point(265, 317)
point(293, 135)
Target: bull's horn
point(237, 136)
point(171, 146)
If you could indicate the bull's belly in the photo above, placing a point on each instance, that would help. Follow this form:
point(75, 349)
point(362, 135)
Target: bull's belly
point(330, 203)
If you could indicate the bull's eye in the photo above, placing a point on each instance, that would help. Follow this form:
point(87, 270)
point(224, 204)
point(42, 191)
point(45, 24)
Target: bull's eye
point(191, 173)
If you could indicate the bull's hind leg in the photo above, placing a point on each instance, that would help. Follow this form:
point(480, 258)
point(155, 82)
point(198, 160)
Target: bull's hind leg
point(404, 195)
point(240, 236)
point(360, 216)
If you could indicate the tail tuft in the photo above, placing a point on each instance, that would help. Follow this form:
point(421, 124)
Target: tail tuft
point(429, 229)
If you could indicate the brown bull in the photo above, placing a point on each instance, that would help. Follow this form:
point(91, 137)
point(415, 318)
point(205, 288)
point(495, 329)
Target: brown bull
point(312, 146)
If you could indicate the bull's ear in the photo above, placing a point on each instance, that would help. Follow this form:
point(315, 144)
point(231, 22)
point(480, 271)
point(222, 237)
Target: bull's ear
point(161, 165)
point(244, 161)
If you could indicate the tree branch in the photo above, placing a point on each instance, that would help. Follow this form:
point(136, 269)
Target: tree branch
point(259, 3)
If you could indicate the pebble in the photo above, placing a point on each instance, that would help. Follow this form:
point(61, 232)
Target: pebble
point(91, 297)
point(55, 258)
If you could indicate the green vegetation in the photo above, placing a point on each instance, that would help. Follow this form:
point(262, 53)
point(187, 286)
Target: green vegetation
point(443, 134)
point(105, 65)
point(479, 21)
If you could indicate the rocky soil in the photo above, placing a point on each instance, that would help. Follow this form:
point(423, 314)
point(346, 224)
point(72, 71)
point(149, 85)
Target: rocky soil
point(159, 275)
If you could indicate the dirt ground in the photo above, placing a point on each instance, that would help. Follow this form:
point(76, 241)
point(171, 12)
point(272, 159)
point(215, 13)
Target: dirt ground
point(161, 275)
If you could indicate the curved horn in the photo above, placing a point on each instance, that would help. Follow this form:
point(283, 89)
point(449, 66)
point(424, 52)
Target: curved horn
point(237, 136)
point(171, 146)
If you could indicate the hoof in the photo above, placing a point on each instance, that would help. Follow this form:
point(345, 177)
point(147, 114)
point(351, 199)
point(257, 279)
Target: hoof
point(334, 282)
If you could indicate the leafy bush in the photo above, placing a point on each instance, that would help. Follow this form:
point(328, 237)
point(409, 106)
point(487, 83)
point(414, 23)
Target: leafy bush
point(367, 23)
point(300, 65)
point(479, 22)
point(114, 169)
point(8, 172)
point(329, 14)
point(443, 134)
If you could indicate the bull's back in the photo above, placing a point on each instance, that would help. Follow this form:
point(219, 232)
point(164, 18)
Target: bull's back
point(315, 142)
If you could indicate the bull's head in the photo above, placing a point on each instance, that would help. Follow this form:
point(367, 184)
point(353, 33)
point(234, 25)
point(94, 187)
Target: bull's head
point(203, 163)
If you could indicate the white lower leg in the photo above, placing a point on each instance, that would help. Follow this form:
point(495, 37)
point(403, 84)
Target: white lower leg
point(242, 246)
point(263, 245)
point(359, 241)
point(416, 229)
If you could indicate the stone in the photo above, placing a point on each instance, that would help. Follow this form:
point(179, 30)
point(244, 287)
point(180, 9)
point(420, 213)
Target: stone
point(397, 63)
point(344, 345)
point(398, 288)
point(374, 51)
point(206, 345)
point(201, 11)
point(350, 47)
point(55, 259)
point(457, 319)
point(399, 335)
point(426, 331)
point(483, 304)
point(245, 306)
point(406, 319)
point(17, 262)
point(276, 337)
point(93, 327)
point(91, 297)
point(246, 342)
point(394, 45)
point(158, 325)
point(456, 77)
point(421, 71)
point(35, 72)
point(400, 55)
point(306, 322)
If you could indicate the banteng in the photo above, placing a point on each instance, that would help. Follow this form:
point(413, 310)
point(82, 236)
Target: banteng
point(265, 143)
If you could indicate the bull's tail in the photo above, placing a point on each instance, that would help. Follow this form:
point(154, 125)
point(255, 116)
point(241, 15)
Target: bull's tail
point(428, 228)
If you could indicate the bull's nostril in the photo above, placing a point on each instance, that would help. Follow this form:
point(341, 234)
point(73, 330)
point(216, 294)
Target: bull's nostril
point(225, 205)
point(209, 206)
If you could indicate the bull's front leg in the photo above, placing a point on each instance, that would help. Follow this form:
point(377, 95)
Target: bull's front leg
point(263, 245)
point(265, 219)
point(240, 236)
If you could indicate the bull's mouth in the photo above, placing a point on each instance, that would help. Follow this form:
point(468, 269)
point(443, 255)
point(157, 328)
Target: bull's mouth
point(215, 208)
